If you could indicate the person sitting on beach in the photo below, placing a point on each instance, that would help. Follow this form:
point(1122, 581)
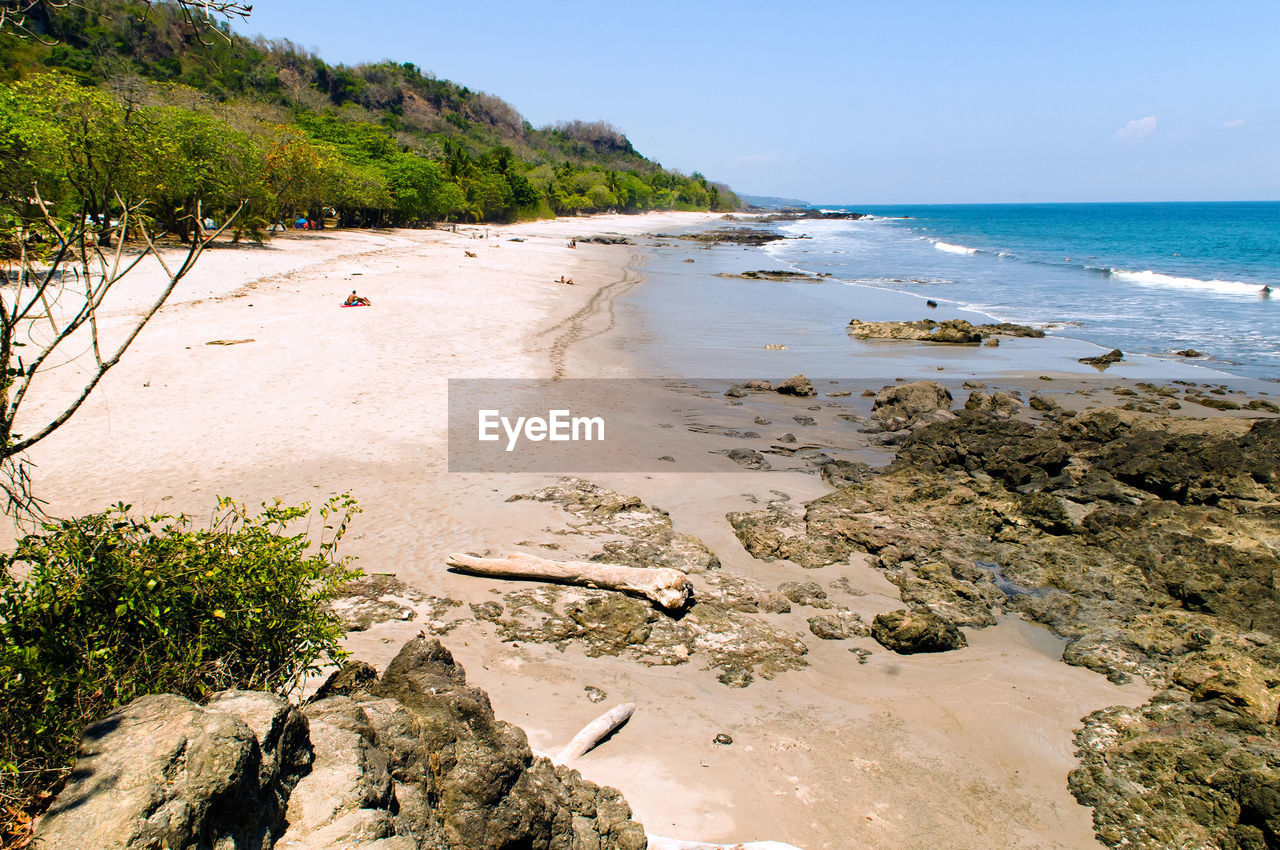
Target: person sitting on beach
point(354, 300)
point(573, 243)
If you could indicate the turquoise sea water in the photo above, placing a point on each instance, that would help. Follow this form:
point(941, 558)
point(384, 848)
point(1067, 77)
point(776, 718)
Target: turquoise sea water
point(1149, 278)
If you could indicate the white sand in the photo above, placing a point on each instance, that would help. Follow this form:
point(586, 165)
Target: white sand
point(964, 749)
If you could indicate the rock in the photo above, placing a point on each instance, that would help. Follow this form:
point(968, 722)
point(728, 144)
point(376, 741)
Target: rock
point(787, 438)
point(1010, 329)
point(999, 403)
point(1043, 403)
point(490, 611)
point(787, 275)
point(758, 385)
point(951, 331)
point(351, 677)
point(605, 239)
point(1213, 402)
point(595, 694)
point(732, 235)
point(735, 391)
point(841, 473)
point(723, 739)
point(931, 304)
point(411, 760)
point(1231, 676)
point(897, 406)
point(908, 632)
point(838, 626)
point(468, 780)
point(781, 531)
point(162, 771)
point(1189, 352)
point(805, 593)
point(1102, 361)
point(1178, 774)
point(760, 420)
point(381, 597)
point(954, 331)
point(349, 794)
point(1262, 404)
point(1016, 452)
point(601, 509)
point(749, 458)
point(797, 385)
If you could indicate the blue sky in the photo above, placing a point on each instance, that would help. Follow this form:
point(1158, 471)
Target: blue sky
point(889, 101)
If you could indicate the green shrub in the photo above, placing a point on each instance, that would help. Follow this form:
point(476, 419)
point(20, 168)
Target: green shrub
point(98, 610)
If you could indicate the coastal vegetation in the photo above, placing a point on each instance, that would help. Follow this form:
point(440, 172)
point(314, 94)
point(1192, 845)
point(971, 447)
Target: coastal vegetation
point(99, 610)
point(224, 119)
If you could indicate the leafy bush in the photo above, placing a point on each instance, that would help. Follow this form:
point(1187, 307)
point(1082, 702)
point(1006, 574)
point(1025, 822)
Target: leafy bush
point(98, 610)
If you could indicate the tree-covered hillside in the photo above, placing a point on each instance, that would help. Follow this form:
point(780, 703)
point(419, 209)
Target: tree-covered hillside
point(266, 121)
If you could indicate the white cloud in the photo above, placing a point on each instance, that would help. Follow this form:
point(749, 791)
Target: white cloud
point(1137, 128)
point(1233, 124)
point(754, 160)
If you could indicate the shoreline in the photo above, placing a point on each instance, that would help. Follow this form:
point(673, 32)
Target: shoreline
point(899, 750)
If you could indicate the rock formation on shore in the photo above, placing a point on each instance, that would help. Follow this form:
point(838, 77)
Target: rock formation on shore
point(1149, 543)
point(410, 759)
point(954, 331)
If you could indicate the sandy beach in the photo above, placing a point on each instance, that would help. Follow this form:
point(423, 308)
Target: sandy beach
point(302, 399)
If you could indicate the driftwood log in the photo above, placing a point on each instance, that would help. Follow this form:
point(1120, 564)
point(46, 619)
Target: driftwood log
point(595, 732)
point(603, 726)
point(663, 586)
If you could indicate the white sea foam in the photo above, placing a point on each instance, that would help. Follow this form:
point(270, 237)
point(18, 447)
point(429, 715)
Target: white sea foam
point(1168, 281)
point(953, 249)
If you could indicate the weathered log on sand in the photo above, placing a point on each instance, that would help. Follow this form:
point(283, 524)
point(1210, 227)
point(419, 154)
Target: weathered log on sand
point(665, 587)
point(595, 732)
point(603, 726)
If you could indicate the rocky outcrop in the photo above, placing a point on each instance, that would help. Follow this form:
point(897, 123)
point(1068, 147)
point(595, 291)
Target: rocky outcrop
point(721, 628)
point(165, 772)
point(908, 632)
point(1148, 542)
point(731, 235)
point(797, 385)
point(379, 598)
point(953, 331)
point(998, 403)
point(784, 275)
point(412, 759)
point(899, 406)
point(1174, 773)
point(1102, 361)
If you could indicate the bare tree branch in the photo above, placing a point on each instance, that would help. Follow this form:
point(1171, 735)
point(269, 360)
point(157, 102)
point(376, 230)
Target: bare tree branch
point(88, 314)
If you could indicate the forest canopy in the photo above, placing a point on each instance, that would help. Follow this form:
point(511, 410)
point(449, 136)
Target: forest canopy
point(179, 117)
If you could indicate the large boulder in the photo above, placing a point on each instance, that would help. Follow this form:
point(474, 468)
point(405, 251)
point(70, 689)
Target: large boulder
point(899, 406)
point(464, 779)
point(410, 760)
point(908, 632)
point(165, 772)
point(797, 385)
point(999, 403)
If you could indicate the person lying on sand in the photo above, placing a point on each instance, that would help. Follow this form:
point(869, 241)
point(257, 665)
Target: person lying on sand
point(563, 279)
point(354, 300)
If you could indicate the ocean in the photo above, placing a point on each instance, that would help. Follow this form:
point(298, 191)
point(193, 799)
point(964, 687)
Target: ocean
point(1148, 278)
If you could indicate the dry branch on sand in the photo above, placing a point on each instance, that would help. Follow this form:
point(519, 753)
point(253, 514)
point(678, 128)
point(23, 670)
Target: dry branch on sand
point(667, 588)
